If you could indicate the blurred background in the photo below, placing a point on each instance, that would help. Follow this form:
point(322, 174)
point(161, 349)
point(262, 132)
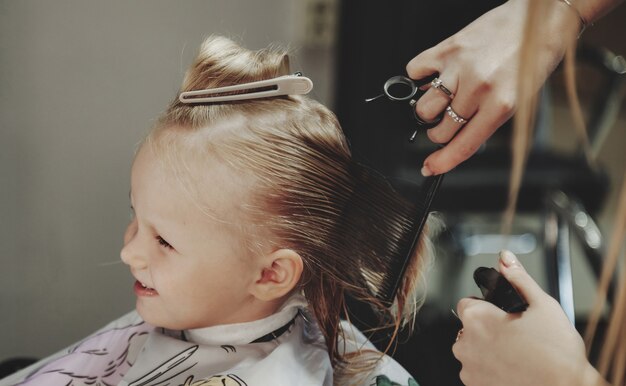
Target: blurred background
point(82, 81)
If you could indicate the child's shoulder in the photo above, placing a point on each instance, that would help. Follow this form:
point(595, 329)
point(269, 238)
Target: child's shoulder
point(387, 372)
point(113, 347)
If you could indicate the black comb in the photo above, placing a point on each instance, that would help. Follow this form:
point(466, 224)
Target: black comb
point(427, 193)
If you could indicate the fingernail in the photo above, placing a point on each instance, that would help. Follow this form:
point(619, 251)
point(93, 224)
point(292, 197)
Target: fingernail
point(426, 172)
point(508, 258)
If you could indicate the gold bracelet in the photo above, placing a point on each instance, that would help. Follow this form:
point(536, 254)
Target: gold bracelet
point(583, 22)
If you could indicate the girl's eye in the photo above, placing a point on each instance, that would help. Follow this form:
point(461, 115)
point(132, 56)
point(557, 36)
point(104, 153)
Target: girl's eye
point(164, 243)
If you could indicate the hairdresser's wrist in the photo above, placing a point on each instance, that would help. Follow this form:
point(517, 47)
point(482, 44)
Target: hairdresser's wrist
point(573, 6)
point(579, 374)
point(591, 377)
point(592, 10)
point(567, 21)
point(588, 11)
point(555, 29)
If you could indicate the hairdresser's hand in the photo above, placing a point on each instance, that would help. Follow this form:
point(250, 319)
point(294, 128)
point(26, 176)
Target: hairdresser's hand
point(479, 65)
point(536, 347)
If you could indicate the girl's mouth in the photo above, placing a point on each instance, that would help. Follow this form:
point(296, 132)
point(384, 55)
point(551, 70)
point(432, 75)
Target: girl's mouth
point(142, 290)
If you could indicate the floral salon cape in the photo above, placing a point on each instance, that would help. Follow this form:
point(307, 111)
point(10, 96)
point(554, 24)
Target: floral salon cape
point(285, 348)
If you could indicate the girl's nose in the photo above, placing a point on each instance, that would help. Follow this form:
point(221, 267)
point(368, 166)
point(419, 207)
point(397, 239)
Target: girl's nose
point(131, 253)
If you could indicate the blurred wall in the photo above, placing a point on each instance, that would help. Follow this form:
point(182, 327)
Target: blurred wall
point(80, 83)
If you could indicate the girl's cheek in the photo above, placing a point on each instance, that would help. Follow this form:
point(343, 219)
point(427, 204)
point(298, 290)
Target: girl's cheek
point(164, 272)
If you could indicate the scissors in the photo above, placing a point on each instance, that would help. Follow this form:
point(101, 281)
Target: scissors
point(400, 88)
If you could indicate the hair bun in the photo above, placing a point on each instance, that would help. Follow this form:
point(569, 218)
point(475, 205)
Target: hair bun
point(222, 62)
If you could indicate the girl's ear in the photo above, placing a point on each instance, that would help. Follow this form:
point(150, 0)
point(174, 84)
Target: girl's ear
point(279, 273)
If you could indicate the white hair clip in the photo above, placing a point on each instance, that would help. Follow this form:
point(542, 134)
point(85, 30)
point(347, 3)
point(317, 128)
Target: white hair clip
point(295, 84)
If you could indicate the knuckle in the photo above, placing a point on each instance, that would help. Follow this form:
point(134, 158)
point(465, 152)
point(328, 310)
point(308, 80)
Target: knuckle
point(465, 377)
point(420, 110)
point(410, 67)
point(423, 111)
point(482, 84)
point(468, 309)
point(471, 313)
point(451, 46)
point(455, 350)
point(476, 317)
point(508, 104)
point(504, 106)
point(437, 136)
point(413, 67)
point(458, 352)
point(461, 305)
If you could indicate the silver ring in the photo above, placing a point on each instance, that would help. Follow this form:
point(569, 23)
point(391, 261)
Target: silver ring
point(455, 117)
point(438, 84)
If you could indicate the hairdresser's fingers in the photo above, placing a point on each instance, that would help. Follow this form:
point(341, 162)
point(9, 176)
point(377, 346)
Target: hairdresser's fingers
point(514, 272)
point(463, 304)
point(475, 132)
point(458, 113)
point(434, 101)
point(478, 318)
point(465, 351)
point(460, 347)
point(424, 64)
point(477, 309)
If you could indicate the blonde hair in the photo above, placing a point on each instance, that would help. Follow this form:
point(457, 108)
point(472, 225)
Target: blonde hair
point(613, 353)
point(304, 193)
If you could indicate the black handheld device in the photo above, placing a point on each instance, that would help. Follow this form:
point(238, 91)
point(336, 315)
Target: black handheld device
point(498, 291)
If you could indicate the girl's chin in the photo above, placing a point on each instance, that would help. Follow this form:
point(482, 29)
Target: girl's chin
point(157, 319)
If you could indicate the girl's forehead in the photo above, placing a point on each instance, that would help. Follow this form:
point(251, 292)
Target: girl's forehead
point(176, 174)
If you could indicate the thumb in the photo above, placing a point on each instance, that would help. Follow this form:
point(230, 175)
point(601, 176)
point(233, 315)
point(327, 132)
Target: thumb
point(514, 272)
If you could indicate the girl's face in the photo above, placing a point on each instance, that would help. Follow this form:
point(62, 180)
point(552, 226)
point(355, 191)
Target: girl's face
point(191, 268)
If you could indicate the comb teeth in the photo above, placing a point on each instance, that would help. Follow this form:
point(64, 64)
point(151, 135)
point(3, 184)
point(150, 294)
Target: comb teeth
point(385, 253)
point(409, 240)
